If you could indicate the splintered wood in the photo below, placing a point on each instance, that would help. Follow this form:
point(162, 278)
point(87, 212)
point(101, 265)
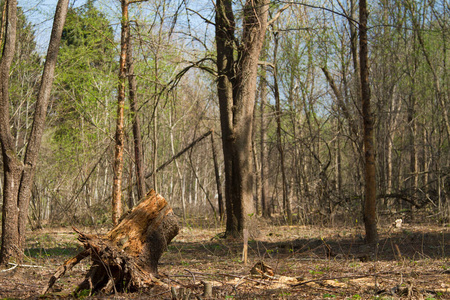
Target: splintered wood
point(126, 258)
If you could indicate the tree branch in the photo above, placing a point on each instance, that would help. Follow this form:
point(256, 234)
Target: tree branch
point(278, 14)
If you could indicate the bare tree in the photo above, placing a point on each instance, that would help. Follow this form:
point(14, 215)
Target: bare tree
point(118, 156)
point(265, 205)
point(370, 195)
point(218, 182)
point(237, 63)
point(286, 202)
point(132, 91)
point(18, 175)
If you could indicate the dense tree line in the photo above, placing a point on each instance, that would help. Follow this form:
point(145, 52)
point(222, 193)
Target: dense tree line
point(299, 136)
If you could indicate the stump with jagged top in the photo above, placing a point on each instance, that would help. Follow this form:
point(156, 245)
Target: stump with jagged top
point(126, 258)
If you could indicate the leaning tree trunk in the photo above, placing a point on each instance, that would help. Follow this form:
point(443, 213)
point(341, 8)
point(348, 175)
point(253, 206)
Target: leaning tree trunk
point(126, 258)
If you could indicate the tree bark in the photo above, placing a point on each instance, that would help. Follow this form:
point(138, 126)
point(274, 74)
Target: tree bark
point(19, 176)
point(218, 182)
point(286, 202)
point(132, 86)
point(118, 156)
point(265, 205)
point(12, 166)
point(236, 86)
point(370, 198)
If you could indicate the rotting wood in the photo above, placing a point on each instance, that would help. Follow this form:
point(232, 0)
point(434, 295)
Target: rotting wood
point(126, 258)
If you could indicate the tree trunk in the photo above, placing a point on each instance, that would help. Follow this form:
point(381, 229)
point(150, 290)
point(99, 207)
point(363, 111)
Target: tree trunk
point(218, 182)
point(286, 202)
point(236, 86)
point(126, 258)
point(265, 205)
point(18, 176)
point(256, 167)
point(132, 86)
point(118, 156)
point(12, 166)
point(370, 198)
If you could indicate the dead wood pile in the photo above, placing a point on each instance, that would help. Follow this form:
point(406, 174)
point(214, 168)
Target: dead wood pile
point(126, 258)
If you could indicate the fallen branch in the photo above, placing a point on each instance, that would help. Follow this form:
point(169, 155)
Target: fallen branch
point(12, 268)
point(192, 274)
point(20, 265)
point(334, 278)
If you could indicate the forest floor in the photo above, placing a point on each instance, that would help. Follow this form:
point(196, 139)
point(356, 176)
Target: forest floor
point(309, 262)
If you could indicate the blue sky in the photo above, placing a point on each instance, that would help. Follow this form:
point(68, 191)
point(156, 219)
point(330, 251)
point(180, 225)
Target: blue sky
point(40, 13)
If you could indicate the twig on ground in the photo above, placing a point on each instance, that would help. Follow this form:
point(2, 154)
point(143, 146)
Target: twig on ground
point(231, 275)
point(12, 268)
point(240, 281)
point(193, 275)
point(334, 278)
point(245, 277)
point(28, 266)
point(19, 265)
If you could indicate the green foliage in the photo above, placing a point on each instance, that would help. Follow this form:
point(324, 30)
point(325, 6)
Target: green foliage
point(85, 83)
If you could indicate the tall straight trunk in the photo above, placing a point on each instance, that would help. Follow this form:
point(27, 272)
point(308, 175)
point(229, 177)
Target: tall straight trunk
point(236, 85)
point(265, 206)
point(389, 176)
point(256, 167)
point(132, 92)
point(286, 202)
point(155, 139)
point(358, 145)
point(118, 155)
point(155, 112)
point(354, 43)
point(370, 191)
point(12, 166)
point(180, 176)
point(413, 162)
point(18, 176)
point(338, 159)
point(218, 182)
point(425, 164)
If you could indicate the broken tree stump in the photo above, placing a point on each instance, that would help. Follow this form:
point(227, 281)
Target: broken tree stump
point(126, 258)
